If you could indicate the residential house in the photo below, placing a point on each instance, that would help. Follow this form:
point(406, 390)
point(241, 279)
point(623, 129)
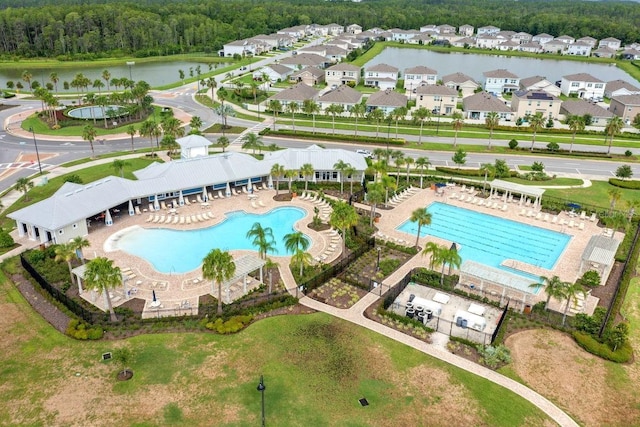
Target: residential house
point(509, 45)
point(466, 30)
point(522, 37)
point(386, 100)
point(489, 29)
point(342, 43)
point(500, 81)
point(604, 52)
point(381, 76)
point(419, 76)
point(477, 106)
point(533, 47)
point(399, 35)
point(421, 39)
point(335, 29)
point(464, 42)
point(240, 47)
point(554, 46)
point(309, 75)
point(616, 88)
point(437, 99)
point(580, 107)
point(566, 39)
point(488, 41)
point(429, 28)
point(584, 85)
point(579, 49)
point(353, 29)
point(506, 35)
point(445, 29)
point(342, 95)
point(610, 42)
point(342, 74)
point(539, 83)
point(319, 30)
point(461, 83)
point(530, 102)
point(626, 106)
point(332, 53)
point(302, 60)
point(588, 40)
point(298, 32)
point(631, 53)
point(542, 38)
point(274, 41)
point(275, 73)
point(298, 94)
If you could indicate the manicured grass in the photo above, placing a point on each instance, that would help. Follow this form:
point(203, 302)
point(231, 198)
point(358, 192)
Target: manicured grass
point(105, 156)
point(315, 368)
point(551, 182)
point(596, 194)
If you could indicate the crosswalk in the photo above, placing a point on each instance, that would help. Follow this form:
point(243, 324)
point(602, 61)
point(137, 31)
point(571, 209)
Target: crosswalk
point(25, 165)
point(255, 129)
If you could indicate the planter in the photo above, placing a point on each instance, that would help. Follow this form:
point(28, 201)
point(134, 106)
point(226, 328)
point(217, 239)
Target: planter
point(376, 219)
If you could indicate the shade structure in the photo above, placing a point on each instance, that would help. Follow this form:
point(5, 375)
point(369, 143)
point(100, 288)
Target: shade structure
point(131, 211)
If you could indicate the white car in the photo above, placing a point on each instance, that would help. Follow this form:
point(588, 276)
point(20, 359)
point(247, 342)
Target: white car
point(365, 153)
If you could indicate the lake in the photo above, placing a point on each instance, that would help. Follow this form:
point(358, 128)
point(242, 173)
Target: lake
point(474, 65)
point(154, 73)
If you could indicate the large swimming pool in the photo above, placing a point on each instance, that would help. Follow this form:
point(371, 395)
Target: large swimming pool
point(180, 251)
point(490, 240)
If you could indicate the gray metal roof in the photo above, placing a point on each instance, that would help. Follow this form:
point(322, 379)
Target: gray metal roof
point(601, 250)
point(193, 141)
point(342, 95)
point(321, 159)
point(527, 190)
point(497, 276)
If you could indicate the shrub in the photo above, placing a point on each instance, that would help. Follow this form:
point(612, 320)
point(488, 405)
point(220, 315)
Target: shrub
point(6, 241)
point(553, 147)
point(513, 144)
point(233, 325)
point(628, 153)
point(590, 344)
point(81, 331)
point(73, 178)
point(387, 266)
point(628, 184)
point(494, 356)
point(590, 278)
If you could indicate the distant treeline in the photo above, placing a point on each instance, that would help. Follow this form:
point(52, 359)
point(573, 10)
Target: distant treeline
point(77, 29)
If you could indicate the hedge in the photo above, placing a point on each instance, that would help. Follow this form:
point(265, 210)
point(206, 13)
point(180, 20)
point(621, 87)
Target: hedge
point(590, 344)
point(622, 183)
point(332, 137)
point(467, 172)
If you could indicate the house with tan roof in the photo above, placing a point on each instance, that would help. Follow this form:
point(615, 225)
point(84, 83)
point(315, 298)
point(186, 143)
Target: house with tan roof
point(604, 52)
point(539, 83)
point(461, 83)
point(464, 42)
point(335, 29)
point(440, 100)
point(381, 76)
point(566, 39)
point(630, 53)
point(310, 76)
point(542, 38)
point(302, 60)
point(580, 107)
point(500, 81)
point(419, 76)
point(579, 49)
point(298, 94)
point(610, 42)
point(584, 85)
point(533, 47)
point(477, 106)
point(353, 29)
point(466, 30)
point(522, 37)
point(242, 48)
point(386, 100)
point(445, 29)
point(554, 46)
point(422, 39)
point(620, 87)
point(531, 102)
point(509, 45)
point(488, 41)
point(342, 74)
point(588, 40)
point(342, 95)
point(625, 106)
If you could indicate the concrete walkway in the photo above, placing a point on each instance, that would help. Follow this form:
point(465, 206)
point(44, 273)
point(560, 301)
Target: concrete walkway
point(355, 314)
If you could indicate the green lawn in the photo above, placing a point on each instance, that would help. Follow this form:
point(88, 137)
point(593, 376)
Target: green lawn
point(596, 194)
point(315, 368)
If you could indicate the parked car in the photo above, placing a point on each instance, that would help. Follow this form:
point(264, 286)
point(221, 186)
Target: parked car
point(365, 153)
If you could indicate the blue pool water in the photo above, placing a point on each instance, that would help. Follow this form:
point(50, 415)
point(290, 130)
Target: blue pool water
point(180, 251)
point(490, 240)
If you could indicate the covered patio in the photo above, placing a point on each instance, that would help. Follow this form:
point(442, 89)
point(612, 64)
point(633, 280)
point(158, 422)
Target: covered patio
point(510, 188)
point(240, 284)
point(599, 255)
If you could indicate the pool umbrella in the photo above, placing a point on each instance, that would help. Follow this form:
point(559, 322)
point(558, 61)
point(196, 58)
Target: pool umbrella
point(270, 182)
point(181, 199)
point(154, 295)
point(156, 204)
point(228, 190)
point(107, 218)
point(250, 187)
point(131, 211)
point(204, 194)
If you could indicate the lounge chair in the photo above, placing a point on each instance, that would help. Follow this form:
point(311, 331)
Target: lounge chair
point(156, 218)
point(194, 219)
point(505, 207)
point(236, 192)
point(555, 219)
point(523, 211)
point(211, 196)
point(571, 223)
point(539, 216)
point(168, 220)
point(186, 201)
point(181, 219)
point(220, 194)
point(546, 218)
point(150, 218)
point(163, 205)
point(151, 207)
point(593, 217)
point(138, 210)
point(161, 220)
point(199, 199)
point(244, 190)
point(210, 215)
point(253, 205)
point(188, 219)
point(581, 226)
point(261, 203)
point(583, 215)
point(200, 218)
point(175, 219)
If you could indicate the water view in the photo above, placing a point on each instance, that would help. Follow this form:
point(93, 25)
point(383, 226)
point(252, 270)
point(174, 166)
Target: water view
point(154, 73)
point(474, 64)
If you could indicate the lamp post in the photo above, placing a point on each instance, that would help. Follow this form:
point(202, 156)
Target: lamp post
point(36, 144)
point(378, 263)
point(261, 389)
point(439, 114)
point(130, 64)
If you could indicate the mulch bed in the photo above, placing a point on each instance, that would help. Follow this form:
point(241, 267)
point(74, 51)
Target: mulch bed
point(40, 304)
point(605, 293)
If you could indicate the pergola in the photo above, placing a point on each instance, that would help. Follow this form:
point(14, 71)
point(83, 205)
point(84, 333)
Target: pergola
point(510, 188)
point(599, 254)
point(244, 265)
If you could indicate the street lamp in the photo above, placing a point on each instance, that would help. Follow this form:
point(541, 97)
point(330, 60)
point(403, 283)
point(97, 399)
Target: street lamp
point(36, 144)
point(378, 263)
point(130, 64)
point(261, 389)
point(439, 114)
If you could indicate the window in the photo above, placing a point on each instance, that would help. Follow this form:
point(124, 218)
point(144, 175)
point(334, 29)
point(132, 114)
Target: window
point(575, 84)
point(599, 86)
point(60, 231)
point(75, 226)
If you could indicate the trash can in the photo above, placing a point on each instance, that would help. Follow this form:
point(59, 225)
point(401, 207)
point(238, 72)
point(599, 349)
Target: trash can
point(410, 312)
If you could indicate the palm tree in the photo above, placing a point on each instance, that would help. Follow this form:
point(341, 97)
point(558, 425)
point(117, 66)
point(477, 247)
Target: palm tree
point(78, 243)
point(576, 124)
point(343, 217)
point(341, 166)
point(554, 288)
point(422, 163)
point(270, 265)
point(275, 106)
point(492, 120)
point(399, 161)
point(614, 126)
point(409, 161)
point(375, 196)
point(89, 134)
point(451, 257)
point(27, 77)
point(66, 253)
point(433, 250)
point(262, 238)
point(488, 170)
point(97, 83)
point(149, 128)
point(252, 142)
point(310, 107)
point(101, 275)
point(571, 292)
point(297, 244)
point(195, 124)
point(277, 171)
point(224, 111)
point(54, 79)
point(397, 114)
point(131, 131)
point(24, 185)
point(350, 171)
point(223, 142)
point(218, 267)
point(119, 165)
point(421, 114)
point(334, 110)
point(377, 116)
point(457, 124)
point(357, 111)
point(106, 76)
point(307, 171)
point(614, 195)
point(212, 84)
point(422, 217)
point(536, 122)
point(290, 174)
point(293, 108)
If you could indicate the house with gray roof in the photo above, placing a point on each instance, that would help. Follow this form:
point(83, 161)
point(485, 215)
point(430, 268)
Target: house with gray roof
point(588, 40)
point(626, 107)
point(533, 47)
point(500, 81)
point(477, 106)
point(386, 100)
point(342, 74)
point(466, 30)
point(488, 29)
point(302, 60)
point(71, 209)
point(342, 95)
point(610, 42)
point(620, 87)
point(274, 72)
point(464, 42)
point(629, 53)
point(580, 107)
point(542, 38)
point(460, 82)
point(420, 75)
point(554, 46)
point(565, 39)
point(309, 75)
point(381, 76)
point(604, 52)
point(530, 102)
point(538, 83)
point(583, 85)
point(579, 48)
point(438, 99)
point(298, 94)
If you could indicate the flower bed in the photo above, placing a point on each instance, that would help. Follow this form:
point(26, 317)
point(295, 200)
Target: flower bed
point(337, 293)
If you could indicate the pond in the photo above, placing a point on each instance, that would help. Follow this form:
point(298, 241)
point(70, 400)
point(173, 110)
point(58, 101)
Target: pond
point(95, 112)
point(474, 65)
point(154, 73)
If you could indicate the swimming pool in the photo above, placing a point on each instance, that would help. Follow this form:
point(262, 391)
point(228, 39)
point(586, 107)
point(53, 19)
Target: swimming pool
point(490, 240)
point(180, 251)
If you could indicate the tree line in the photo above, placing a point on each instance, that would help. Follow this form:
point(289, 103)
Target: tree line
point(71, 29)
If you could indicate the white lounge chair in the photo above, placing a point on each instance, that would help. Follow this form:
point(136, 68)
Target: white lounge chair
point(199, 217)
point(181, 219)
point(138, 210)
point(244, 190)
point(163, 205)
point(583, 215)
point(253, 205)
point(186, 201)
point(151, 207)
point(188, 219)
point(505, 207)
point(593, 217)
point(523, 211)
point(168, 220)
point(198, 198)
point(555, 219)
point(261, 203)
point(150, 218)
point(571, 223)
point(210, 215)
point(175, 219)
point(161, 220)
point(581, 226)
